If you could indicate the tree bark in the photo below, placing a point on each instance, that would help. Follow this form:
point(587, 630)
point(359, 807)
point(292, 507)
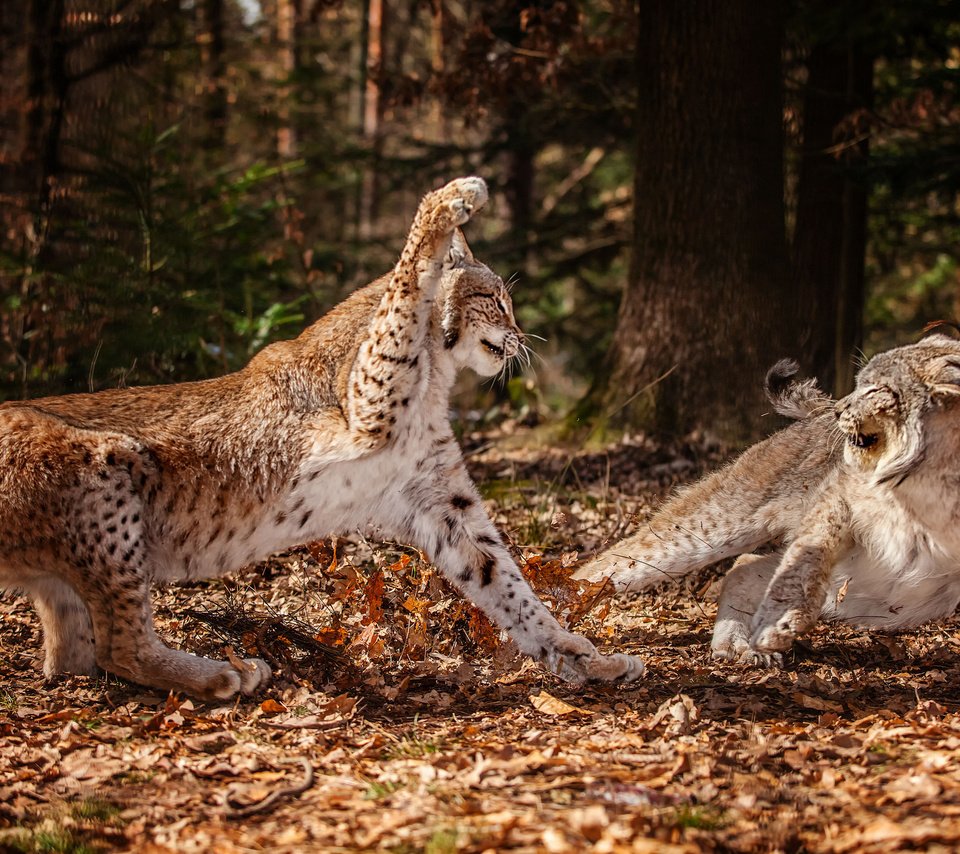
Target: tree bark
point(287, 17)
point(831, 226)
point(707, 306)
point(214, 71)
point(372, 116)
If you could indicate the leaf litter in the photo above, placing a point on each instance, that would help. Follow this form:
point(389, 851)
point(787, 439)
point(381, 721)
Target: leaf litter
point(400, 720)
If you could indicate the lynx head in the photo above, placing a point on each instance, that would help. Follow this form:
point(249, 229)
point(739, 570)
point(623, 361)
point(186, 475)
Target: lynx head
point(905, 409)
point(479, 329)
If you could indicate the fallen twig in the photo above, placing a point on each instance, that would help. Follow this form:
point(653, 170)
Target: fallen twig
point(274, 797)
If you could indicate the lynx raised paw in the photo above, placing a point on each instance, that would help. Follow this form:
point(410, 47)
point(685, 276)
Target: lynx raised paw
point(575, 659)
point(454, 203)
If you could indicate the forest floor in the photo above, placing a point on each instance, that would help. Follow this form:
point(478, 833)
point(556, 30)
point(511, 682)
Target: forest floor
point(398, 721)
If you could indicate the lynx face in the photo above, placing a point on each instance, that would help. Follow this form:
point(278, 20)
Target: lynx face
point(886, 420)
point(479, 326)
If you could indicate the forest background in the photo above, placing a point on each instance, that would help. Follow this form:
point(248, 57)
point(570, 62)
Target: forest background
point(683, 192)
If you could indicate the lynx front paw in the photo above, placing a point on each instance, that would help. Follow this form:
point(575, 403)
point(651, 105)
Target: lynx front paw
point(741, 653)
point(785, 612)
point(575, 659)
point(453, 204)
point(779, 635)
point(731, 642)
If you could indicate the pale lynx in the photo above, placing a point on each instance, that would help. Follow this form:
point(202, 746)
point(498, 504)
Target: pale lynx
point(858, 503)
point(343, 428)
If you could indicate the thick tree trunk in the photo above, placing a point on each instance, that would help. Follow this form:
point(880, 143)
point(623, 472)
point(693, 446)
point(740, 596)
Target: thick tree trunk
point(707, 305)
point(831, 228)
point(46, 90)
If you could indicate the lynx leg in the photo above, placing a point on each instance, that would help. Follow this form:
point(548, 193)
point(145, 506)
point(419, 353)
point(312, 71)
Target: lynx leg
point(387, 366)
point(115, 586)
point(128, 646)
point(796, 593)
point(462, 541)
point(740, 595)
point(67, 630)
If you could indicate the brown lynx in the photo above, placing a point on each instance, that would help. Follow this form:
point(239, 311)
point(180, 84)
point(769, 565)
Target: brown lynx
point(858, 502)
point(345, 427)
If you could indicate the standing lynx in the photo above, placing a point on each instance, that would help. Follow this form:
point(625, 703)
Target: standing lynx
point(345, 427)
point(867, 535)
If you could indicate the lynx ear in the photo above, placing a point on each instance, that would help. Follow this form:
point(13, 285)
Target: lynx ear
point(459, 254)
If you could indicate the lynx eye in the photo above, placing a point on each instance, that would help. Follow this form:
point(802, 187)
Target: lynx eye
point(493, 348)
point(501, 306)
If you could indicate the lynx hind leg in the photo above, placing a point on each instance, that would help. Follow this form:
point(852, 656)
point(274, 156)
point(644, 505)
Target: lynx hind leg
point(67, 630)
point(128, 646)
point(741, 592)
point(113, 579)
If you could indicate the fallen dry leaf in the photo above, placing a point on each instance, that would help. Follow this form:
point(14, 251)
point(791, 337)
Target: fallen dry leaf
point(550, 705)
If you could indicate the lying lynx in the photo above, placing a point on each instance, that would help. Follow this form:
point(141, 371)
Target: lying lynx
point(345, 427)
point(867, 535)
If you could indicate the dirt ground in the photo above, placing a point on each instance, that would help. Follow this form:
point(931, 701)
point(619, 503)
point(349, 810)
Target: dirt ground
point(398, 720)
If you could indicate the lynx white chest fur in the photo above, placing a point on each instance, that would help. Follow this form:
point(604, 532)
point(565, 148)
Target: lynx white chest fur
point(342, 428)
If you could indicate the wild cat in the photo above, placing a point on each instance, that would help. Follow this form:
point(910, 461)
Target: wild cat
point(343, 428)
point(858, 504)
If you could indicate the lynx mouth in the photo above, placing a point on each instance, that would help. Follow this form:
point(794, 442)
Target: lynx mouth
point(863, 440)
point(493, 348)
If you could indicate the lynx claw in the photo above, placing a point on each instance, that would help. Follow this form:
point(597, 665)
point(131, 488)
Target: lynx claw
point(749, 657)
point(774, 639)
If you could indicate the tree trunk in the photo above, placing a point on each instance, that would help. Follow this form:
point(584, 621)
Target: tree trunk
point(706, 308)
point(287, 16)
point(213, 72)
point(372, 118)
point(438, 113)
point(831, 229)
point(46, 91)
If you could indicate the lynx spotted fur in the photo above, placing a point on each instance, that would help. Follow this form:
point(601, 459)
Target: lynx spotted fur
point(858, 505)
point(345, 427)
